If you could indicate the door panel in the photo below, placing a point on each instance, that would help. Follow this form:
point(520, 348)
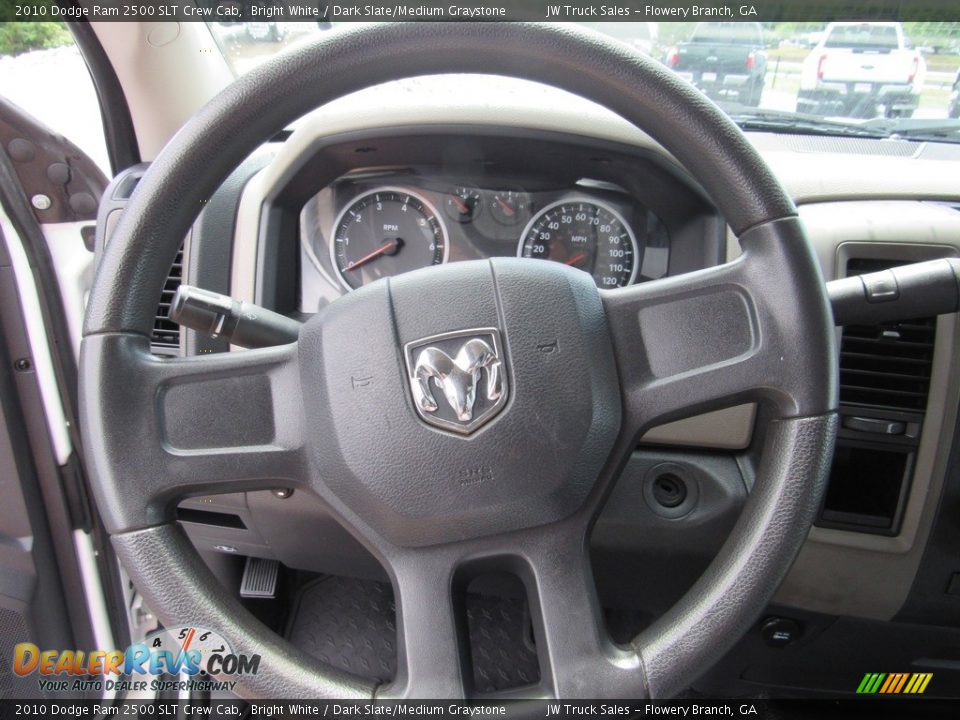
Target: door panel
point(49, 191)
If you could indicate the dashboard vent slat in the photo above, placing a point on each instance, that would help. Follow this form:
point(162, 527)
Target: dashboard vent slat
point(165, 339)
point(886, 366)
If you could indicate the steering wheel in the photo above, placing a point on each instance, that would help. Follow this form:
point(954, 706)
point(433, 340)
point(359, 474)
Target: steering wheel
point(519, 493)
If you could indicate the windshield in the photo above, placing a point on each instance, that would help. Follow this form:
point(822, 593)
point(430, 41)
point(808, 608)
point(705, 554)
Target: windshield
point(866, 78)
point(862, 36)
point(728, 33)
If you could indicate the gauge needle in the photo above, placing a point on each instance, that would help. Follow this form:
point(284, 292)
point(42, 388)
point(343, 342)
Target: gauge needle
point(186, 642)
point(575, 259)
point(389, 246)
point(461, 205)
point(507, 210)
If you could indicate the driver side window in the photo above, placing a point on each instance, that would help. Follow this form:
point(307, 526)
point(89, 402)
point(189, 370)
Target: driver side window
point(42, 72)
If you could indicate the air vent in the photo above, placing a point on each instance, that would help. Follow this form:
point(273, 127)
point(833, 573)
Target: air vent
point(886, 366)
point(166, 334)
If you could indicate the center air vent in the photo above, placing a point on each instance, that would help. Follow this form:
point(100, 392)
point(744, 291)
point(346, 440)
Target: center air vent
point(165, 339)
point(888, 365)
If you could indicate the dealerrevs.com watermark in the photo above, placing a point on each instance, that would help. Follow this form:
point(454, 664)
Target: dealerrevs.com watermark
point(170, 660)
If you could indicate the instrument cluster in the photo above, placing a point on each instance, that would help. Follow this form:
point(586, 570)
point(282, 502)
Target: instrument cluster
point(369, 226)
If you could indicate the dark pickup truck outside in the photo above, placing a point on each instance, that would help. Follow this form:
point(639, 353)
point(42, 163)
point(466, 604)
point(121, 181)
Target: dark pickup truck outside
point(726, 60)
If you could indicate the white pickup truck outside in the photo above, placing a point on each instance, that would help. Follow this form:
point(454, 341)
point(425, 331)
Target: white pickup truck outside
point(862, 69)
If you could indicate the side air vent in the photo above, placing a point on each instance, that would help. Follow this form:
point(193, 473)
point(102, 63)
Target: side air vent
point(884, 385)
point(886, 366)
point(165, 339)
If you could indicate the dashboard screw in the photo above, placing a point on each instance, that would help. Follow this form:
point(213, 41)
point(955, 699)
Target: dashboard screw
point(22, 365)
point(41, 201)
point(282, 493)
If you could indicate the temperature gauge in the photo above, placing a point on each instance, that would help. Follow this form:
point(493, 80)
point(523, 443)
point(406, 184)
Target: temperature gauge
point(510, 207)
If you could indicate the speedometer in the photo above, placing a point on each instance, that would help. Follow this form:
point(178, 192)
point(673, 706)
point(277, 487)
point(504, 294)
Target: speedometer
point(584, 234)
point(385, 232)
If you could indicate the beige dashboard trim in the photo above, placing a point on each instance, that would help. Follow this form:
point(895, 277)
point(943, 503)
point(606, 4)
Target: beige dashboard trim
point(246, 240)
point(727, 429)
point(849, 573)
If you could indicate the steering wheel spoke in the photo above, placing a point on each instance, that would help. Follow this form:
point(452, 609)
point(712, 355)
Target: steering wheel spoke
point(577, 656)
point(722, 336)
point(186, 426)
point(431, 657)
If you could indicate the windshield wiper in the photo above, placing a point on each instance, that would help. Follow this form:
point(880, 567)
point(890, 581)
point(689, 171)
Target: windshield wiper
point(799, 123)
point(917, 129)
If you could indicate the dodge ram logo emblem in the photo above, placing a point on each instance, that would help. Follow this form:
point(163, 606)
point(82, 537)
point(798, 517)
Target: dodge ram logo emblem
point(458, 380)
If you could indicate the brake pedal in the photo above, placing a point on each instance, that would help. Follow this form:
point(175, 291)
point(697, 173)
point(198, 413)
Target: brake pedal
point(259, 578)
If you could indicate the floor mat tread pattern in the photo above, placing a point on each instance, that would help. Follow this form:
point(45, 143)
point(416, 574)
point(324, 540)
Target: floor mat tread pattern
point(350, 624)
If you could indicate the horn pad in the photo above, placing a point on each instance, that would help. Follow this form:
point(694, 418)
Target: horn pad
point(461, 400)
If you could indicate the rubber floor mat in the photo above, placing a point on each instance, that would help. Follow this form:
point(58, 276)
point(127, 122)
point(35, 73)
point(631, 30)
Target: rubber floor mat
point(501, 643)
point(351, 625)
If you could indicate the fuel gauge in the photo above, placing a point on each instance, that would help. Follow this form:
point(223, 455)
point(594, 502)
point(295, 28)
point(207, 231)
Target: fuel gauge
point(462, 204)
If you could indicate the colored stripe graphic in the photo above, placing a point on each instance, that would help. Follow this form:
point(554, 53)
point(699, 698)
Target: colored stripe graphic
point(891, 680)
point(900, 683)
point(871, 683)
point(894, 683)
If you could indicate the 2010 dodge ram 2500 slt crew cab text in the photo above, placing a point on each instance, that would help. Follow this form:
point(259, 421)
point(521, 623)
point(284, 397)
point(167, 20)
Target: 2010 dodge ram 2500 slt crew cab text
point(857, 68)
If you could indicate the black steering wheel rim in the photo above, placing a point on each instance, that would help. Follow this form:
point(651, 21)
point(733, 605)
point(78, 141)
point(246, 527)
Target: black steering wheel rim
point(797, 374)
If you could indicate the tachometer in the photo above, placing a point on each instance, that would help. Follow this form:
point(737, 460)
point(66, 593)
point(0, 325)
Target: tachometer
point(385, 232)
point(585, 234)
